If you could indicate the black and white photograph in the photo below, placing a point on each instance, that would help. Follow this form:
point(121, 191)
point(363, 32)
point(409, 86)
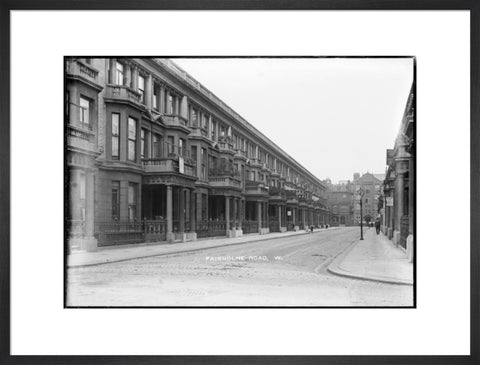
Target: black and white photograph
point(240, 181)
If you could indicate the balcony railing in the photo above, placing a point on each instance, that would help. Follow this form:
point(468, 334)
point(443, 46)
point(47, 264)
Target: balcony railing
point(199, 131)
point(82, 70)
point(174, 120)
point(224, 181)
point(255, 162)
point(225, 143)
point(256, 187)
point(80, 131)
point(274, 191)
point(81, 136)
point(155, 165)
point(239, 152)
point(124, 94)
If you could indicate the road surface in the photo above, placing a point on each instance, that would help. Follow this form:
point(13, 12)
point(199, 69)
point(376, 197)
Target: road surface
point(287, 271)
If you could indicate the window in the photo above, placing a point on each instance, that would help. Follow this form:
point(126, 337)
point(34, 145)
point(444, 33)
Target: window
point(203, 156)
point(132, 139)
point(141, 88)
point(142, 142)
point(132, 201)
point(170, 145)
point(170, 104)
point(193, 118)
point(193, 153)
point(115, 136)
point(182, 146)
point(155, 98)
point(84, 111)
point(204, 121)
point(156, 146)
point(213, 130)
point(67, 105)
point(115, 200)
point(118, 73)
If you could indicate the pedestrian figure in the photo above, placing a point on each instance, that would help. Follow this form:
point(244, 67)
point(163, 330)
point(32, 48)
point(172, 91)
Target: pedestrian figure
point(377, 225)
point(311, 228)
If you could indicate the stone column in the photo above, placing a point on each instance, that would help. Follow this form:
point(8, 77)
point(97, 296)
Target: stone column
point(279, 215)
point(294, 212)
point(148, 92)
point(113, 62)
point(235, 212)
point(161, 101)
point(209, 127)
point(177, 105)
point(227, 213)
point(259, 215)
point(411, 199)
point(184, 108)
point(241, 213)
point(199, 206)
point(181, 210)
point(128, 76)
point(399, 189)
point(89, 204)
point(135, 78)
point(170, 236)
point(193, 225)
point(267, 217)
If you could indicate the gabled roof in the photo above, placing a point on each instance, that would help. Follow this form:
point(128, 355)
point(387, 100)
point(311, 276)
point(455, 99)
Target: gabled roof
point(368, 176)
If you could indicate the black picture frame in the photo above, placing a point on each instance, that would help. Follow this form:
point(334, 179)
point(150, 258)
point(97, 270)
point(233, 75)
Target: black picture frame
point(7, 6)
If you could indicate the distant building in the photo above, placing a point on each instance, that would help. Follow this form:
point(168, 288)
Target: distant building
point(371, 185)
point(340, 202)
point(399, 182)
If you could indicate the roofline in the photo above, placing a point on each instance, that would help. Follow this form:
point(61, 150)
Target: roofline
point(198, 87)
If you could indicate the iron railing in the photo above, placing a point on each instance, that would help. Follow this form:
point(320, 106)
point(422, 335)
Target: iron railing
point(274, 226)
point(119, 232)
point(250, 226)
point(211, 228)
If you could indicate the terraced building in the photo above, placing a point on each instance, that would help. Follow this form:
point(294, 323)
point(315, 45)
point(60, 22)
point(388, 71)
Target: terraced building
point(153, 155)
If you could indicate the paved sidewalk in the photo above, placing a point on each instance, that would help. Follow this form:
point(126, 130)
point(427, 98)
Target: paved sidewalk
point(121, 253)
point(375, 258)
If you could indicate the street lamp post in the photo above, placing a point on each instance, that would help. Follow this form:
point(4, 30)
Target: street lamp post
point(360, 194)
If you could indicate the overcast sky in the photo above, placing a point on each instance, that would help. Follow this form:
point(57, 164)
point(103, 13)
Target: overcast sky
point(334, 116)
